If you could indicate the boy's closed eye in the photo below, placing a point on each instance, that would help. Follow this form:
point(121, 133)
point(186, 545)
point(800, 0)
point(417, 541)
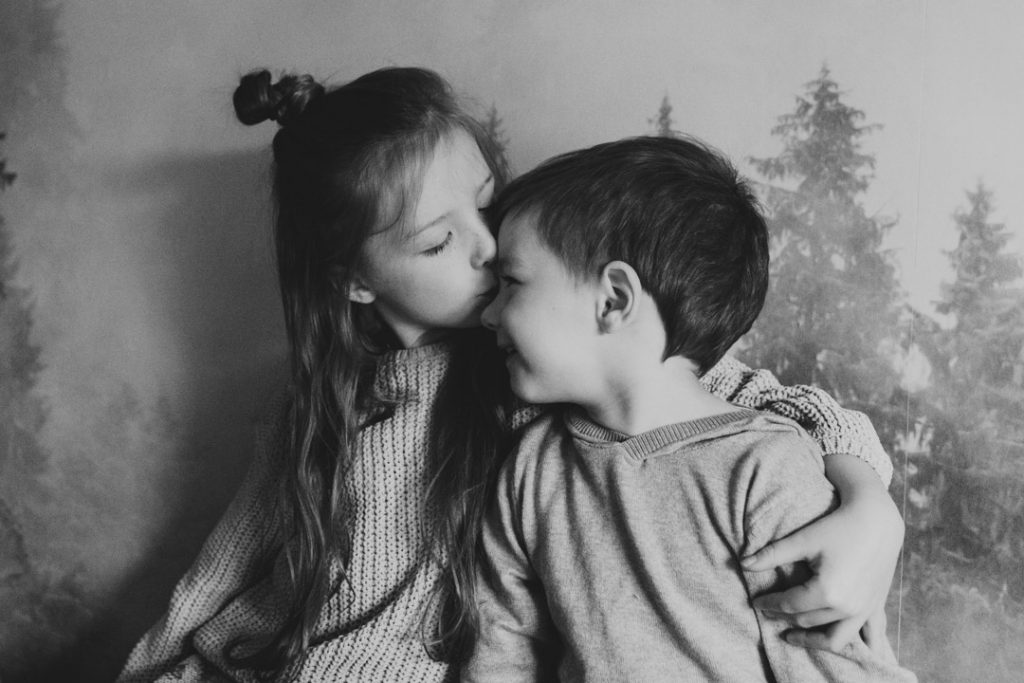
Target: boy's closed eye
point(508, 271)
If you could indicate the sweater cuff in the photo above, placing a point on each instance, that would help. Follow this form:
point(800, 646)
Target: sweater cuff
point(876, 458)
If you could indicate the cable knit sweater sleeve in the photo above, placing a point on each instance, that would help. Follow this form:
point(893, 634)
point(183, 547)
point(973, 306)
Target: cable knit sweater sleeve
point(226, 563)
point(834, 428)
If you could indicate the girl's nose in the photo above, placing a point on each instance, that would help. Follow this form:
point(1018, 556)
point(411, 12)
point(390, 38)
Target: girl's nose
point(489, 317)
point(486, 248)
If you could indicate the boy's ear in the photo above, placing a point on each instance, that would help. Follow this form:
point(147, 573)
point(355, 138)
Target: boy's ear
point(619, 295)
point(360, 292)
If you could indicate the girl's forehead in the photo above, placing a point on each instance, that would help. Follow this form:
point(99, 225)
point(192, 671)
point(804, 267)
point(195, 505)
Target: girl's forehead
point(455, 172)
point(456, 159)
point(435, 184)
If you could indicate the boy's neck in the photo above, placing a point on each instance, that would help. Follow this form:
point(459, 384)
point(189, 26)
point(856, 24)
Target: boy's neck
point(640, 400)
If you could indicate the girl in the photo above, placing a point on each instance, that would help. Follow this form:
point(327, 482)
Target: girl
point(349, 552)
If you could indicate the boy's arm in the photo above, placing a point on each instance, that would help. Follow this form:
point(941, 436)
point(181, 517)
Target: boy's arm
point(834, 428)
point(856, 548)
point(225, 564)
point(786, 493)
point(855, 662)
point(516, 640)
point(853, 552)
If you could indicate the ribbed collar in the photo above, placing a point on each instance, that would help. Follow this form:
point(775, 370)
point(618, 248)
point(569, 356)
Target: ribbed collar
point(410, 372)
point(592, 437)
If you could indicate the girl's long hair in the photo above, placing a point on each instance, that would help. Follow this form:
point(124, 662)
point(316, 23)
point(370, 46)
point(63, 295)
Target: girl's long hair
point(465, 460)
point(348, 163)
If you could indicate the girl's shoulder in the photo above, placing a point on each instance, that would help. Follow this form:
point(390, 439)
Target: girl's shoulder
point(523, 414)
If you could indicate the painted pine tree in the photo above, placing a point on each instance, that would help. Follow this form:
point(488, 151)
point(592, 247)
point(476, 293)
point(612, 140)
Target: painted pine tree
point(833, 294)
point(21, 411)
point(664, 125)
point(494, 126)
point(15, 379)
point(979, 387)
point(43, 602)
point(982, 374)
point(964, 547)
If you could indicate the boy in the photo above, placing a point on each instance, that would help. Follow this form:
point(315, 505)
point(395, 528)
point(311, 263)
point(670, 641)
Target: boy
point(627, 270)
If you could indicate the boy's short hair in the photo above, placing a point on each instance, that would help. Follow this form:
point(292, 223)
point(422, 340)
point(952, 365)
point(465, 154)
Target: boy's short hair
point(675, 210)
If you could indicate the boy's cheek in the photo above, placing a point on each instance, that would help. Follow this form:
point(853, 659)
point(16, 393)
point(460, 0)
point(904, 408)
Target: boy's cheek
point(520, 385)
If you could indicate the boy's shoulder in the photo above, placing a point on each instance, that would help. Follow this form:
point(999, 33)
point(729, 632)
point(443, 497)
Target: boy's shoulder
point(758, 422)
point(755, 425)
point(763, 439)
point(553, 425)
point(776, 478)
point(751, 436)
point(752, 452)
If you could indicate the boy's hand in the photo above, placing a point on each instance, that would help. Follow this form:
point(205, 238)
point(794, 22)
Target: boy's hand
point(852, 554)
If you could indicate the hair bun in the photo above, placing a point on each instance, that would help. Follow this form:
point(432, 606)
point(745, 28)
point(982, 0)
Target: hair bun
point(256, 99)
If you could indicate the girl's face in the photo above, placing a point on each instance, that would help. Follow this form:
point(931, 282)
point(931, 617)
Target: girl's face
point(434, 275)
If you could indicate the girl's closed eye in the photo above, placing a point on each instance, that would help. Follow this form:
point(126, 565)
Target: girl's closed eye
point(435, 250)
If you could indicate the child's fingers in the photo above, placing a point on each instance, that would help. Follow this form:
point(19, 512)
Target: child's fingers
point(802, 598)
point(873, 634)
point(833, 638)
point(783, 551)
point(813, 595)
point(810, 619)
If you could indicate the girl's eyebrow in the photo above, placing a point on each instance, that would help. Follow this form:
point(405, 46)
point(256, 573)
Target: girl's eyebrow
point(431, 224)
point(444, 216)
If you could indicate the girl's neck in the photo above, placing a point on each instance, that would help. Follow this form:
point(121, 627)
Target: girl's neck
point(389, 337)
point(426, 338)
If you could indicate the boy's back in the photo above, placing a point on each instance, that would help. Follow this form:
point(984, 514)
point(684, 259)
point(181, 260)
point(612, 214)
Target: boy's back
point(617, 559)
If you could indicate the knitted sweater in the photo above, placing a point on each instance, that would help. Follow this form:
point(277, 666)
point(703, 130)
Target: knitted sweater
point(614, 558)
point(219, 597)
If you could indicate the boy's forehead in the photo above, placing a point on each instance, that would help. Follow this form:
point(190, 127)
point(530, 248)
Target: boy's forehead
point(518, 227)
point(516, 232)
point(521, 247)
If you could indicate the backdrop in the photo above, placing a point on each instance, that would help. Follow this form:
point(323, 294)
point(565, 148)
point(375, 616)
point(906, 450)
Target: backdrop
point(140, 329)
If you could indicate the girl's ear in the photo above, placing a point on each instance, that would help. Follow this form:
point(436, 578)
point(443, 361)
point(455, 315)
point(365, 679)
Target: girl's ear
point(618, 296)
point(359, 292)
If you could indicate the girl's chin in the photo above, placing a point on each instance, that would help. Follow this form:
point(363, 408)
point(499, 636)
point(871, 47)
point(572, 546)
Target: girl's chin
point(471, 319)
point(476, 319)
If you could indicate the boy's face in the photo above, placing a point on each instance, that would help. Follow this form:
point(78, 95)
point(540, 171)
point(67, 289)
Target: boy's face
point(544, 319)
